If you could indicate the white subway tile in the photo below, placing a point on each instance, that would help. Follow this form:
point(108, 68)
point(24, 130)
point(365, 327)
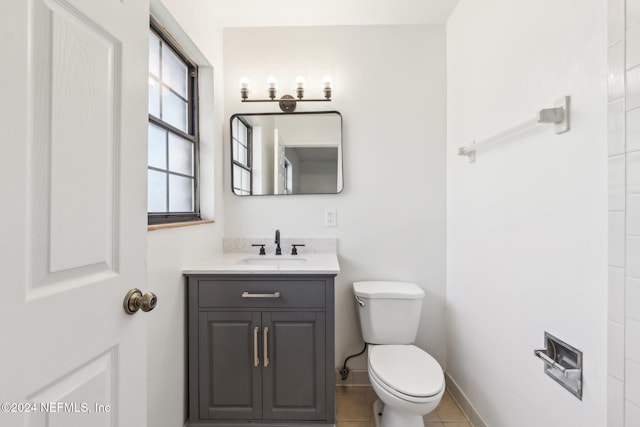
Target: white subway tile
point(631, 414)
point(633, 257)
point(632, 382)
point(616, 18)
point(615, 347)
point(617, 194)
point(633, 172)
point(633, 89)
point(632, 340)
point(633, 16)
point(633, 215)
point(633, 130)
point(616, 71)
point(632, 298)
point(616, 128)
point(616, 295)
point(633, 46)
point(617, 239)
point(615, 399)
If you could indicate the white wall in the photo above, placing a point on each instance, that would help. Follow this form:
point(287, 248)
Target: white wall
point(170, 250)
point(389, 85)
point(526, 223)
point(624, 214)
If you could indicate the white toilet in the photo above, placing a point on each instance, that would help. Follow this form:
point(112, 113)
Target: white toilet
point(409, 382)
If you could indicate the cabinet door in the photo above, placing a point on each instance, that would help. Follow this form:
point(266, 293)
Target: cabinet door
point(294, 379)
point(230, 383)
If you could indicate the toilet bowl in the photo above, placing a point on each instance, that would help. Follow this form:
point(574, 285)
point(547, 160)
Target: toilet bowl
point(408, 382)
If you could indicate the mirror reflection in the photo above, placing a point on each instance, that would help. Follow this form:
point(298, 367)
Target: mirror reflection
point(286, 153)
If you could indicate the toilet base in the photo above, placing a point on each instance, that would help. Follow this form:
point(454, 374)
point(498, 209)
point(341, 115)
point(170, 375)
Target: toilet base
point(391, 418)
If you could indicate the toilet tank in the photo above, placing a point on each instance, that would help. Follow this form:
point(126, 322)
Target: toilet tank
point(389, 312)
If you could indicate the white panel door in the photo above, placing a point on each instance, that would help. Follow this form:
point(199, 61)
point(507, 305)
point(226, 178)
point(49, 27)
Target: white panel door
point(73, 123)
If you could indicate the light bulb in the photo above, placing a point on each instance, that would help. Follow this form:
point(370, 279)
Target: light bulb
point(272, 84)
point(244, 88)
point(299, 87)
point(326, 81)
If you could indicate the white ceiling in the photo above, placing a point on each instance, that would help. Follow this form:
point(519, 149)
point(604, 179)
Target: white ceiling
point(273, 13)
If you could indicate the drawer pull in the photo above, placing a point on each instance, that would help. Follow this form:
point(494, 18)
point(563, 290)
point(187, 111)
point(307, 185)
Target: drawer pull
point(266, 347)
point(256, 359)
point(273, 295)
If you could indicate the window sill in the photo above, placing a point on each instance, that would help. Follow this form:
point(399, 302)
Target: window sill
point(178, 224)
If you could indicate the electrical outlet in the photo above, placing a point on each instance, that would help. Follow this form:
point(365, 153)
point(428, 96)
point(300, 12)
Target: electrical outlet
point(330, 219)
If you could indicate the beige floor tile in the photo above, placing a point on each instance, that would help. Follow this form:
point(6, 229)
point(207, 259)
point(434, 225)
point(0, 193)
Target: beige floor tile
point(352, 392)
point(446, 397)
point(370, 395)
point(449, 411)
point(432, 417)
point(357, 409)
point(354, 424)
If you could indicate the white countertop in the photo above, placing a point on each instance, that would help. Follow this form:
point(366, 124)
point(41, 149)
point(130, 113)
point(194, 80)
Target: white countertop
point(251, 263)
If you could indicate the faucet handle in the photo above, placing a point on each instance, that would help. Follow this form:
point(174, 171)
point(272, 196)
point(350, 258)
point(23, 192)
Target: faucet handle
point(294, 249)
point(262, 251)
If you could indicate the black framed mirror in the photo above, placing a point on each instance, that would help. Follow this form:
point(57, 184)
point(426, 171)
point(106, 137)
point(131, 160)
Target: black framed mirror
point(286, 153)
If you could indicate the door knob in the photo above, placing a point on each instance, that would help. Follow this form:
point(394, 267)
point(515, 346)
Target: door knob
point(134, 301)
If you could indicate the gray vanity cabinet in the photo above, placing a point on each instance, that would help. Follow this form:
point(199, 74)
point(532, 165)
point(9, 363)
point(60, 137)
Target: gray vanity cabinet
point(260, 359)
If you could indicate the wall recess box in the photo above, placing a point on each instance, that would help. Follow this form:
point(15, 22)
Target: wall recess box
point(563, 363)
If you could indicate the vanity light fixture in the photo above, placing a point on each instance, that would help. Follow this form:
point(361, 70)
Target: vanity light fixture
point(287, 102)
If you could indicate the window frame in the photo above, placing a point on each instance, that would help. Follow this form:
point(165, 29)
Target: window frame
point(249, 165)
point(192, 134)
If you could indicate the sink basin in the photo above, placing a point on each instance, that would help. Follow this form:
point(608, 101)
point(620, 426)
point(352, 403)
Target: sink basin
point(272, 261)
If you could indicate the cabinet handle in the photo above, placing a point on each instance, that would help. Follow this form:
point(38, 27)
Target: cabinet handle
point(266, 347)
point(273, 295)
point(256, 359)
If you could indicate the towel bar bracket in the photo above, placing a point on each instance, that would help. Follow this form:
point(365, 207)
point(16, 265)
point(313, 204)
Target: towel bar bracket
point(560, 115)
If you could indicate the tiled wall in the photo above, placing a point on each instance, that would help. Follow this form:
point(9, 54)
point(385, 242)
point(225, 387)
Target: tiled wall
point(624, 213)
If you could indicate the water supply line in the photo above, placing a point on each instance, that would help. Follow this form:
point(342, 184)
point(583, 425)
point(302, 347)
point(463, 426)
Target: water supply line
point(344, 372)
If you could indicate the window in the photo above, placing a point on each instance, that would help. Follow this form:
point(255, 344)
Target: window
point(241, 143)
point(173, 133)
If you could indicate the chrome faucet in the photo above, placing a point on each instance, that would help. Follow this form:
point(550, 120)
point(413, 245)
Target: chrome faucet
point(278, 250)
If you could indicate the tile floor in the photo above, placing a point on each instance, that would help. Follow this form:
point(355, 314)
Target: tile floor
point(355, 409)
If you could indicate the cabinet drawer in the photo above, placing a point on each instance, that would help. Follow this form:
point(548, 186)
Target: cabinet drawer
point(228, 293)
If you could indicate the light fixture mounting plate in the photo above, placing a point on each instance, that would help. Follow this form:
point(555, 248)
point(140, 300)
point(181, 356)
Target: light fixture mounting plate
point(287, 104)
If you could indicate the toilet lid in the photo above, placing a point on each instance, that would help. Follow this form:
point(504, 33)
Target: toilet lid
point(407, 369)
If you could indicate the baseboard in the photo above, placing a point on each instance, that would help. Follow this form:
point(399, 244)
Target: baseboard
point(357, 377)
point(464, 403)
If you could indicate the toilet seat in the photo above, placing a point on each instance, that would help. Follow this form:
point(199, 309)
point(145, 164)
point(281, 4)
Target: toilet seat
point(406, 372)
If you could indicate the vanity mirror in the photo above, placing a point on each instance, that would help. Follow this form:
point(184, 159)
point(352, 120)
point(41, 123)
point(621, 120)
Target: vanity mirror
point(286, 153)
